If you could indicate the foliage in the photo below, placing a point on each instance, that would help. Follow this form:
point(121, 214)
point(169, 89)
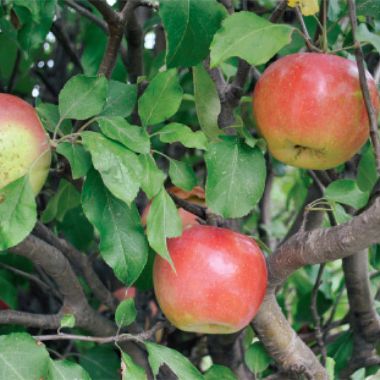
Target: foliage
point(175, 110)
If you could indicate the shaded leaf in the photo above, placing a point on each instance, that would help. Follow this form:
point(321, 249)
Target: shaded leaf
point(347, 191)
point(179, 364)
point(163, 222)
point(182, 175)
point(67, 370)
point(194, 25)
point(119, 167)
point(18, 212)
point(123, 245)
point(236, 178)
point(152, 178)
point(207, 102)
point(80, 160)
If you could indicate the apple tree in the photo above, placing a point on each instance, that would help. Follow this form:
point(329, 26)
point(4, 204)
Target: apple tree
point(189, 189)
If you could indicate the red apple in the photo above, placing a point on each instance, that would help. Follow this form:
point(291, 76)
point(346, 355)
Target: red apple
point(3, 305)
point(24, 146)
point(310, 109)
point(219, 282)
point(196, 196)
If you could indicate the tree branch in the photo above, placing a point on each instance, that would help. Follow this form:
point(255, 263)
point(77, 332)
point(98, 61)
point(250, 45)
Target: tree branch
point(81, 260)
point(325, 244)
point(57, 266)
point(42, 321)
point(372, 116)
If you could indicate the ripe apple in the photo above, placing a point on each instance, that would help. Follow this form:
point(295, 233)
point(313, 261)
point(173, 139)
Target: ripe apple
point(24, 146)
point(196, 196)
point(218, 284)
point(310, 109)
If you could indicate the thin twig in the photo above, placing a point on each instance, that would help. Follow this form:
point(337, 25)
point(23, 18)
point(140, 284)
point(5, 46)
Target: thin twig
point(190, 207)
point(26, 275)
point(279, 11)
point(316, 316)
point(85, 12)
point(305, 32)
point(139, 338)
point(372, 116)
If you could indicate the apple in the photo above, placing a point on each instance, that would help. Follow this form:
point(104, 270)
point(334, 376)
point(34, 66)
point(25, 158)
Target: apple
point(196, 196)
point(310, 109)
point(24, 146)
point(218, 284)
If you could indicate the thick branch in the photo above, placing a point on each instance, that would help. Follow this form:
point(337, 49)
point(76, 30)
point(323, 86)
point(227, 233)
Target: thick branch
point(116, 22)
point(325, 244)
point(81, 260)
point(283, 344)
point(41, 321)
point(363, 315)
point(57, 266)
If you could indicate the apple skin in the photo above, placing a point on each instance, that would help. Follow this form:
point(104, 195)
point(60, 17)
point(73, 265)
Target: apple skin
point(24, 146)
point(219, 283)
point(196, 196)
point(310, 110)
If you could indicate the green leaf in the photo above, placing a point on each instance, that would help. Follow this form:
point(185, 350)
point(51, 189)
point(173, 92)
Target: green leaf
point(123, 245)
point(173, 132)
point(207, 102)
point(132, 136)
point(126, 313)
point(119, 167)
point(67, 370)
point(368, 8)
point(101, 363)
point(8, 292)
point(194, 25)
point(180, 365)
point(236, 178)
point(330, 366)
point(49, 116)
point(367, 173)
point(80, 160)
point(219, 372)
point(341, 350)
point(21, 357)
point(248, 36)
point(66, 198)
point(163, 221)
point(347, 191)
point(364, 35)
point(256, 358)
point(152, 178)
point(82, 97)
point(68, 320)
point(76, 228)
point(121, 99)
point(182, 175)
point(340, 213)
point(18, 212)
point(130, 370)
point(161, 99)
